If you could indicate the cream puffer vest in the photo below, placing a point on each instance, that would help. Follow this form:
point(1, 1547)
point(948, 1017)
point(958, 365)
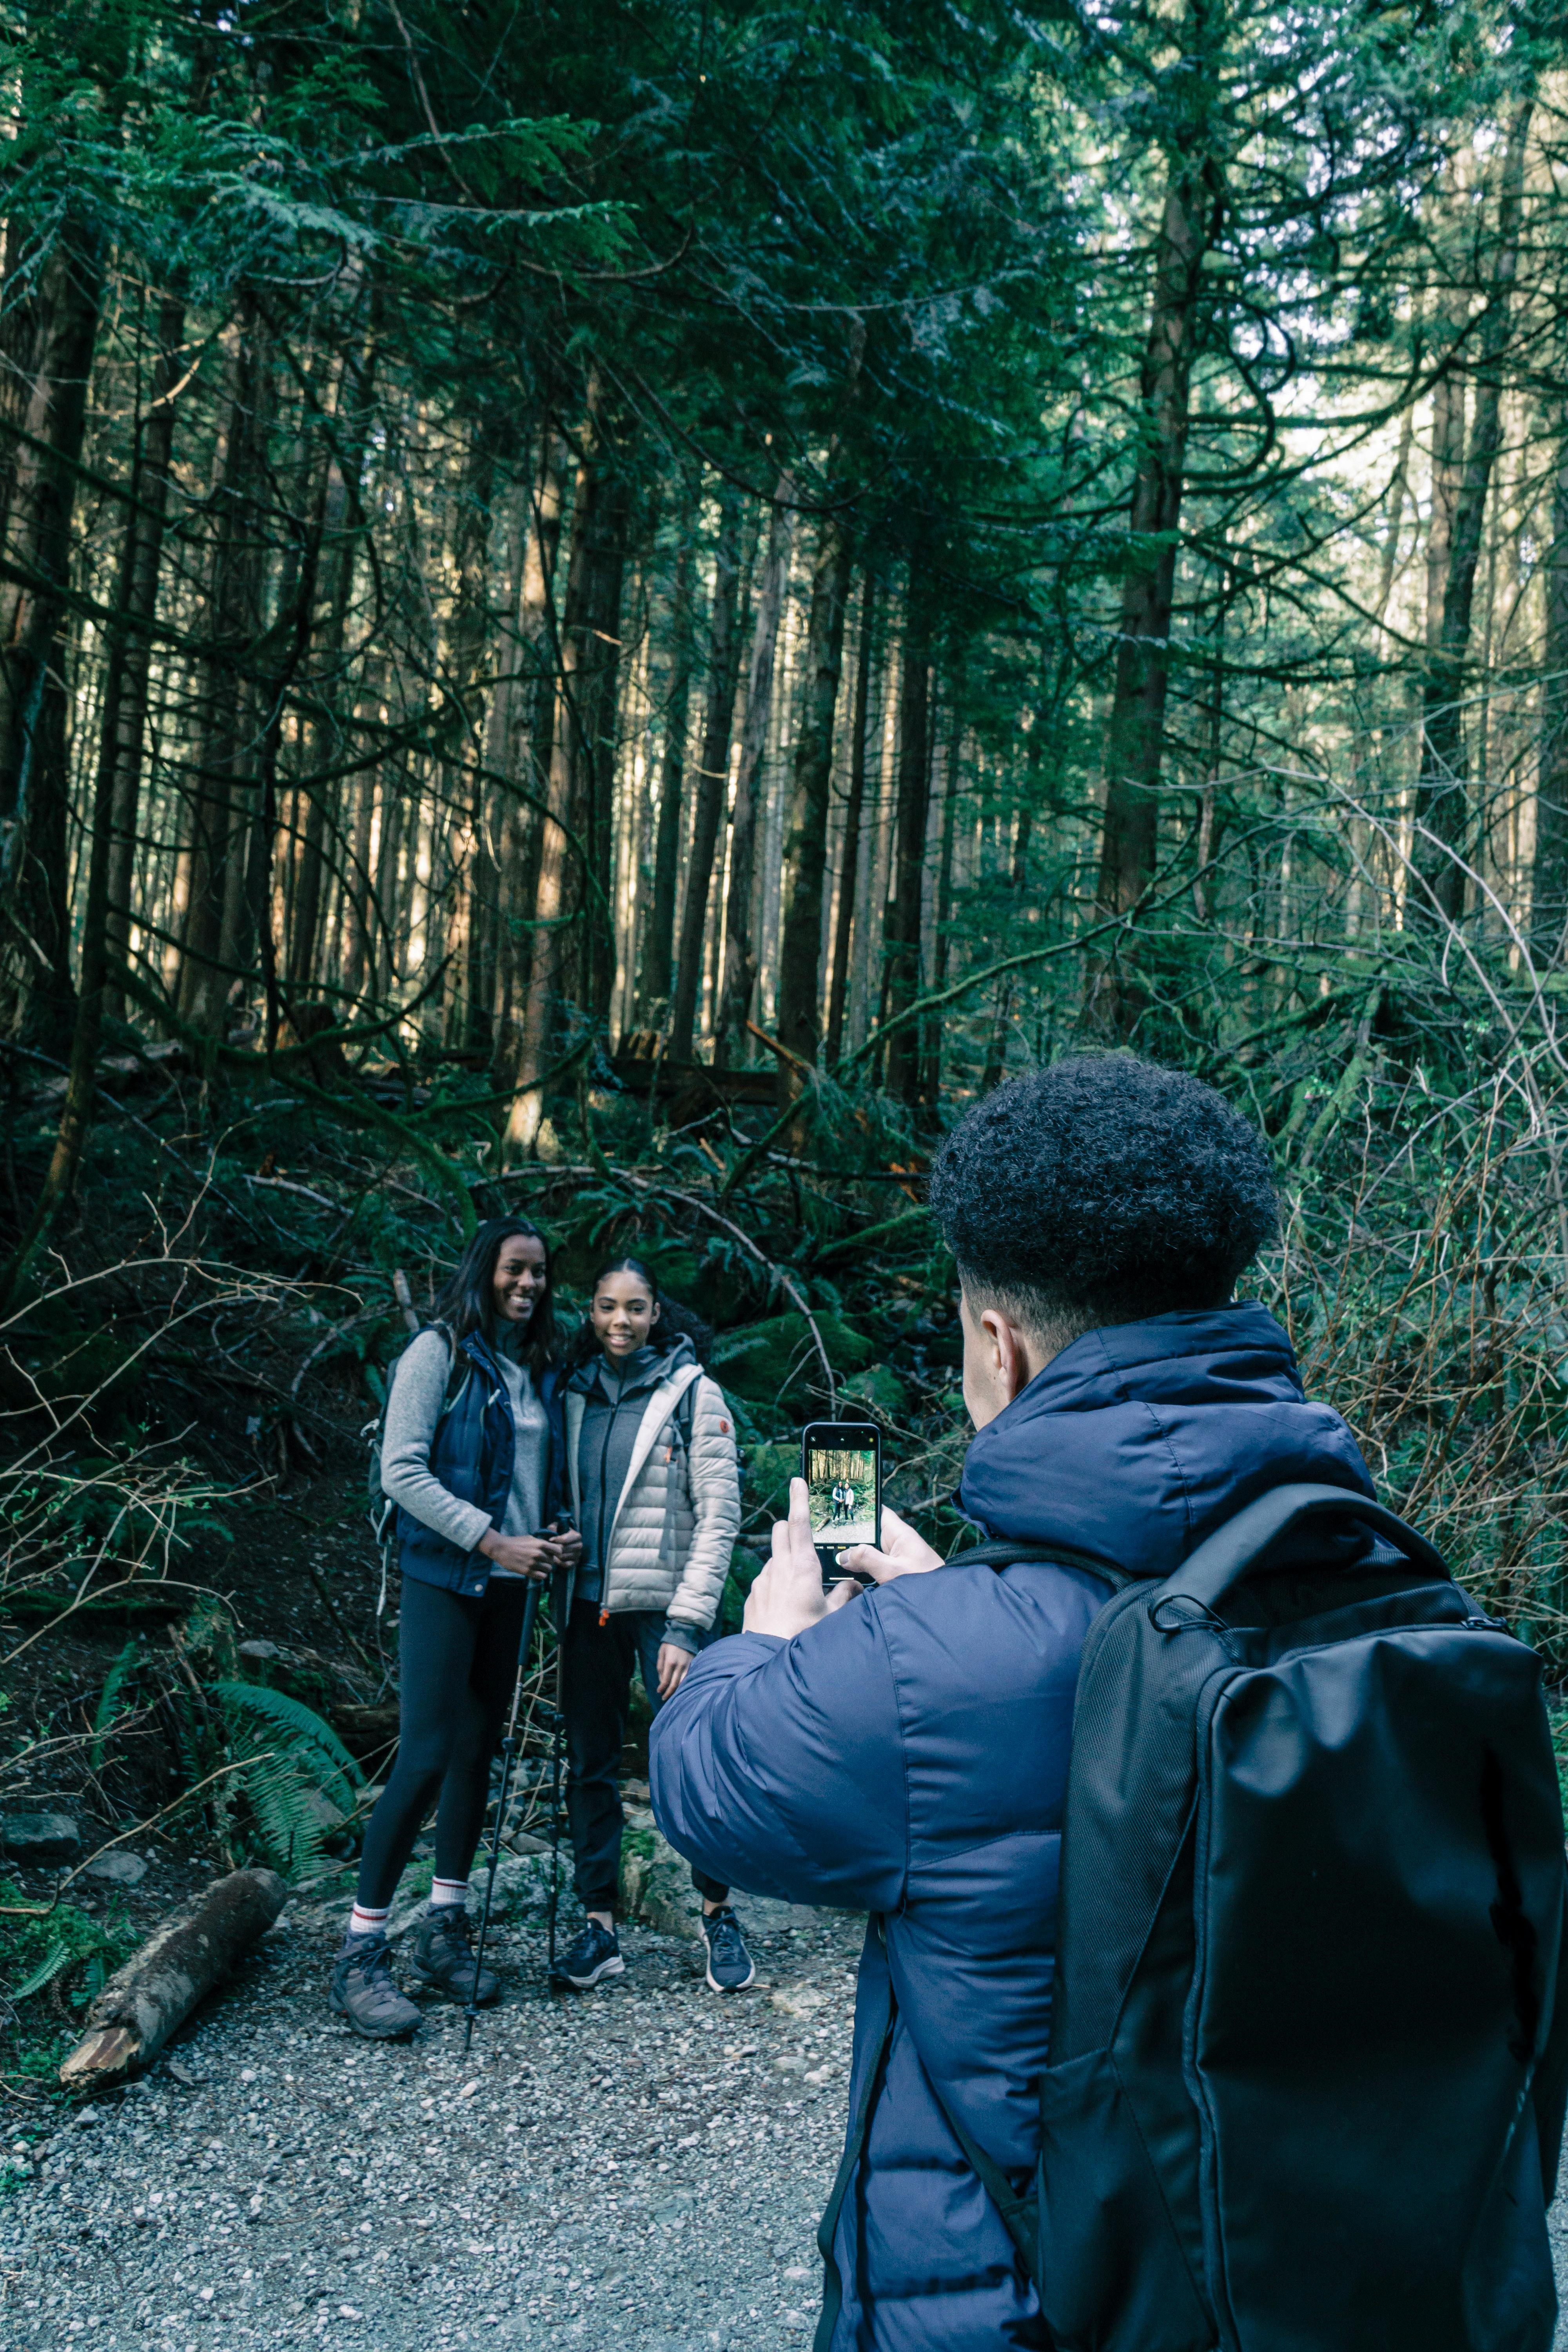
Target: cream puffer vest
point(678, 1512)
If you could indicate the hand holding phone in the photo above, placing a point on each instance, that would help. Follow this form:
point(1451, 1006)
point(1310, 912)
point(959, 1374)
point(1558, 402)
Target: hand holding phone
point(841, 1462)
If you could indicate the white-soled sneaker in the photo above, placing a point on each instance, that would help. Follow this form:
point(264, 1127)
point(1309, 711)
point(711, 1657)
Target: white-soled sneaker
point(731, 1968)
point(596, 1954)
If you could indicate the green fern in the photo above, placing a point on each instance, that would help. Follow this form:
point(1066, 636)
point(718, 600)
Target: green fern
point(48, 1969)
point(291, 1759)
point(109, 1710)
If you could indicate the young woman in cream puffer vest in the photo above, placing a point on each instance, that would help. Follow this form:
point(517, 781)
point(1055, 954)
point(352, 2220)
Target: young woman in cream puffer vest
point(655, 1487)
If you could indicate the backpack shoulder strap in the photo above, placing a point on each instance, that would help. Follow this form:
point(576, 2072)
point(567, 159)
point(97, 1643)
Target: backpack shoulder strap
point(1019, 2208)
point(1002, 1554)
point(685, 1413)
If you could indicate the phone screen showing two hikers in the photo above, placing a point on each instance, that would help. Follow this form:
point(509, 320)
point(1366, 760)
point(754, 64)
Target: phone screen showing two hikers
point(841, 1462)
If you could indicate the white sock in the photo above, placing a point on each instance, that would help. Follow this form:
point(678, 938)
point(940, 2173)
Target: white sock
point(448, 1891)
point(368, 1922)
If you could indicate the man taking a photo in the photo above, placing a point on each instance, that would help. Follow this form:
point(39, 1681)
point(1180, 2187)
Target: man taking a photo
point(905, 1751)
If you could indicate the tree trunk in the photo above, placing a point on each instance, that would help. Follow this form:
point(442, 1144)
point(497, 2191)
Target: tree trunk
point(226, 751)
point(658, 966)
point(574, 948)
point(902, 924)
point(523, 832)
point(36, 996)
point(1135, 736)
point(131, 649)
point(712, 776)
point(806, 849)
point(738, 977)
point(1442, 800)
point(941, 943)
point(336, 537)
point(1001, 1027)
point(850, 874)
point(120, 752)
point(1548, 883)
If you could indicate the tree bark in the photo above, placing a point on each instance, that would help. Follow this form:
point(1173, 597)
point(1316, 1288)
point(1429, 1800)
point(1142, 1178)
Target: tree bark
point(36, 996)
point(337, 529)
point(712, 776)
point(183, 1959)
point(574, 948)
point(850, 874)
point(523, 830)
point(1549, 875)
point(738, 977)
point(1135, 736)
point(902, 923)
point(114, 797)
point(125, 694)
point(941, 917)
point(228, 745)
point(658, 966)
point(1442, 799)
point(805, 847)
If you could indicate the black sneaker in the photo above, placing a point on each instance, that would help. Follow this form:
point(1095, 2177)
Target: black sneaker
point(442, 1952)
point(595, 1954)
point(731, 1968)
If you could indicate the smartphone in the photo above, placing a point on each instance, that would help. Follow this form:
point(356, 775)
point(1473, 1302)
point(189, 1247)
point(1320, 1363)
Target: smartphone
point(841, 1462)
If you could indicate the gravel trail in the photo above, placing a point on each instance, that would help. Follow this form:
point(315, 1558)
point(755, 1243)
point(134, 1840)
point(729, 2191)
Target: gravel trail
point(642, 2165)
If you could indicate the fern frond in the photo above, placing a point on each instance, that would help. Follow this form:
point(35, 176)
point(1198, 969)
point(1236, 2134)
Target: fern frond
point(47, 1969)
point(281, 1715)
point(297, 1776)
point(108, 1708)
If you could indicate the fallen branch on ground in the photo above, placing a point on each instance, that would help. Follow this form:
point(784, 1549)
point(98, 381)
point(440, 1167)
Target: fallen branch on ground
point(152, 1996)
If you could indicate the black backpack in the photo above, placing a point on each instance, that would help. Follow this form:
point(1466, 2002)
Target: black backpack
point(1307, 2067)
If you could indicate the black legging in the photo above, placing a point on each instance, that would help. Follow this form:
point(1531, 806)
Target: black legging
point(457, 1665)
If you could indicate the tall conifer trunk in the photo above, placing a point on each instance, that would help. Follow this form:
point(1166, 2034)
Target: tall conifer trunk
point(573, 964)
point(1549, 878)
point(854, 820)
point(713, 774)
point(57, 331)
point(1443, 800)
point(125, 693)
point(1135, 735)
point(902, 923)
point(229, 747)
point(738, 973)
point(805, 847)
point(658, 966)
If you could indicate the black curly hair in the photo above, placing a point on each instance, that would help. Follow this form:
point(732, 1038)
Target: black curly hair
point(671, 1320)
point(1102, 1191)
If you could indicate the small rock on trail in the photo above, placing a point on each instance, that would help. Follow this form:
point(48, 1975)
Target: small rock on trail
point(632, 2167)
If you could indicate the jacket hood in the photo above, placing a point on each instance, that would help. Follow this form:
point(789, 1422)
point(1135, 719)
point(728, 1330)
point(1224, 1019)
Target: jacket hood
point(1139, 1439)
point(641, 1372)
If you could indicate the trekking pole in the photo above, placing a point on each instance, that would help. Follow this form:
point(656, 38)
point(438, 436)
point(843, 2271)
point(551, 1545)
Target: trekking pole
point(508, 1756)
point(556, 1723)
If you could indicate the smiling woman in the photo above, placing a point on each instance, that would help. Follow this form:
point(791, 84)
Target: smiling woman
point(651, 1460)
point(471, 1455)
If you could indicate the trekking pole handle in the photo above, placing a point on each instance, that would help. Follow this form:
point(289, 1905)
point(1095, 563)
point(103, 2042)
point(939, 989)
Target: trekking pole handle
point(1224, 1558)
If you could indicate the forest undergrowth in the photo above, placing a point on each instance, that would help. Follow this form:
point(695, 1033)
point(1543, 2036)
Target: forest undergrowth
point(195, 1662)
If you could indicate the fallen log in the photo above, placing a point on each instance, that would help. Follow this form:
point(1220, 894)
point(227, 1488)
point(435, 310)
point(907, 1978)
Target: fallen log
point(147, 1999)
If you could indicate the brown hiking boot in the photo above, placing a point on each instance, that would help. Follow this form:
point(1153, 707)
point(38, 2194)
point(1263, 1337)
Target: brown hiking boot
point(442, 1951)
point(363, 1991)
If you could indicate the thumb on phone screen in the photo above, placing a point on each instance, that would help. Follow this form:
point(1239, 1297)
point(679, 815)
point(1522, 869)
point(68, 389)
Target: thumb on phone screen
point(902, 1552)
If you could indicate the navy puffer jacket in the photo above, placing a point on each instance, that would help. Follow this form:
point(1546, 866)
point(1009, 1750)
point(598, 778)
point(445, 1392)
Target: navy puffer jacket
point(908, 1756)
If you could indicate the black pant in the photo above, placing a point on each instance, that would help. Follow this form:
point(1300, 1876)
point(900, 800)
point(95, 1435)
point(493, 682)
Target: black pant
point(596, 1663)
point(457, 1665)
